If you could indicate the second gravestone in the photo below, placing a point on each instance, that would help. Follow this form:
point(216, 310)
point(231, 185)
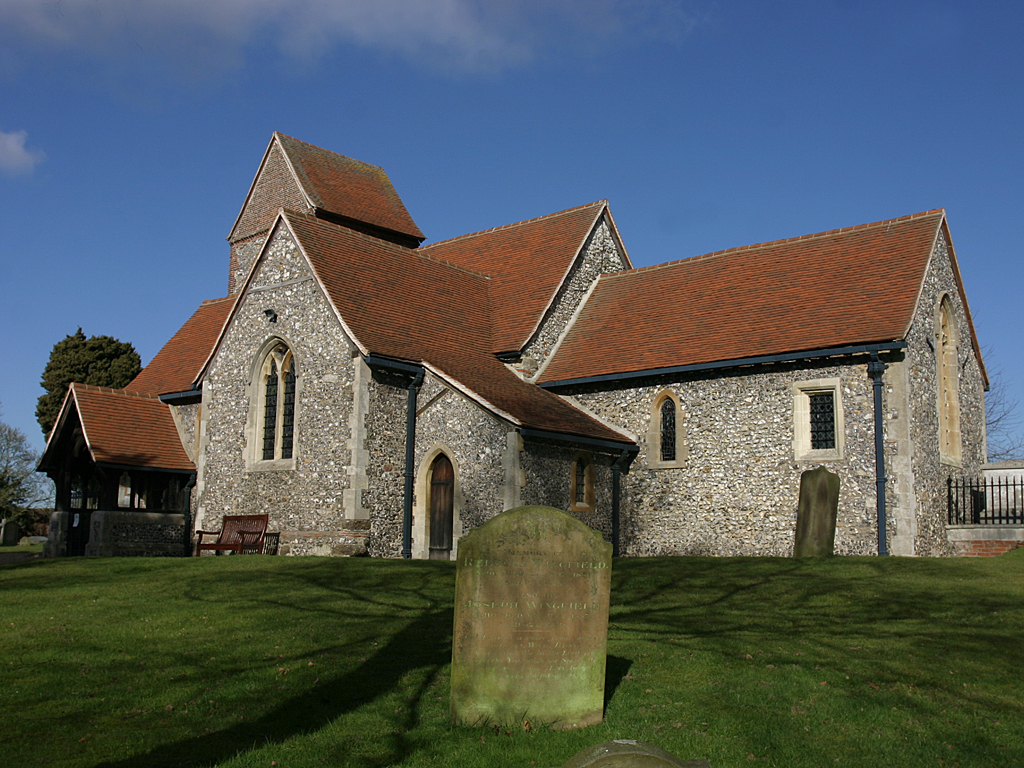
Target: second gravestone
point(531, 621)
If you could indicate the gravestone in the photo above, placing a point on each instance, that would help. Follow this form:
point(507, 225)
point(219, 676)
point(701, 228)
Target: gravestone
point(531, 621)
point(627, 753)
point(816, 514)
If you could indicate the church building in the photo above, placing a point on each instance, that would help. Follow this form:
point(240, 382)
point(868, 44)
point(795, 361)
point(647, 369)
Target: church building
point(377, 395)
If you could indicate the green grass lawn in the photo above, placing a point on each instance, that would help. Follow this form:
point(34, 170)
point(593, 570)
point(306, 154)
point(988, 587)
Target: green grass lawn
point(262, 661)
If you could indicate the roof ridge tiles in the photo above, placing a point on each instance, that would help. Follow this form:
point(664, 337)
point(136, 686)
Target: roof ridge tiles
point(288, 212)
point(331, 151)
point(504, 227)
point(775, 243)
point(79, 387)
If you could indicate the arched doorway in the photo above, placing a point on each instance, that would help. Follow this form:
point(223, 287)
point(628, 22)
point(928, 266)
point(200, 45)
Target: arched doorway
point(442, 502)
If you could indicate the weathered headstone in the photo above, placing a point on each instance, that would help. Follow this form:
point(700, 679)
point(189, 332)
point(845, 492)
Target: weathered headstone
point(531, 621)
point(626, 753)
point(816, 514)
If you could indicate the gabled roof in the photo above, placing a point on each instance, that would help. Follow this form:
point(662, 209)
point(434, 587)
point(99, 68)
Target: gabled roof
point(851, 286)
point(527, 263)
point(404, 304)
point(177, 365)
point(121, 429)
point(338, 185)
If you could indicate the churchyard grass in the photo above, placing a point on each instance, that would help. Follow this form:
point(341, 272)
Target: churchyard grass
point(262, 661)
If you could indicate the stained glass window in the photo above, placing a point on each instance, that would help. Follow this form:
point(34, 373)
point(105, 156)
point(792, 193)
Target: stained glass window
point(668, 429)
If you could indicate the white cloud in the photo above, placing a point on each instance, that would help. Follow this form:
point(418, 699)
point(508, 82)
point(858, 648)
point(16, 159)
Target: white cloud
point(468, 35)
point(14, 157)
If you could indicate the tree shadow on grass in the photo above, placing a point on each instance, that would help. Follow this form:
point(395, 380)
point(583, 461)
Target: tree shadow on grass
point(425, 642)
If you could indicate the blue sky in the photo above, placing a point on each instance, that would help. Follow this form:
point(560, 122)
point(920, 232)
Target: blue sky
point(130, 131)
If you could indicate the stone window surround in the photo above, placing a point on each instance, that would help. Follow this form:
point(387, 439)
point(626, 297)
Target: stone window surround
point(256, 392)
point(589, 502)
point(421, 504)
point(654, 460)
point(802, 390)
point(947, 381)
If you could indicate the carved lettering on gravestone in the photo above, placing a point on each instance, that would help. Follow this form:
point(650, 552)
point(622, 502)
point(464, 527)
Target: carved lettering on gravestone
point(817, 513)
point(531, 621)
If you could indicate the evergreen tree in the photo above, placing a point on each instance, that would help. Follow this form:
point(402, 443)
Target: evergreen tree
point(102, 361)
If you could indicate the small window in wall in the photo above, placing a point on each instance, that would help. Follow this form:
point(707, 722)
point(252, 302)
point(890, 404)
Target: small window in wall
point(667, 439)
point(823, 420)
point(666, 436)
point(817, 420)
point(277, 381)
point(124, 491)
point(582, 491)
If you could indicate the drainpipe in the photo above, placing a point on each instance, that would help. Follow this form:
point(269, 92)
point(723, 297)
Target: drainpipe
point(875, 370)
point(410, 457)
point(416, 372)
point(188, 514)
point(620, 465)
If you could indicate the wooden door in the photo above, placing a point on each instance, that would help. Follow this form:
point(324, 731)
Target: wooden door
point(442, 502)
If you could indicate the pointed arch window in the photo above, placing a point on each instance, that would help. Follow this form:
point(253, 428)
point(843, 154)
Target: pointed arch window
point(948, 383)
point(666, 444)
point(277, 382)
point(582, 495)
point(667, 438)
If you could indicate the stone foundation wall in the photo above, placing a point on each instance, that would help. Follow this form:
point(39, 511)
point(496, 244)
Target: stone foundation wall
point(985, 540)
point(136, 534)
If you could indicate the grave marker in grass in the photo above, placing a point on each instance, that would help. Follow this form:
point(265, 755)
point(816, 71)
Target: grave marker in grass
point(532, 587)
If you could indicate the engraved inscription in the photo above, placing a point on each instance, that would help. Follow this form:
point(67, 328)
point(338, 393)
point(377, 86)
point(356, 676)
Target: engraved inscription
point(531, 620)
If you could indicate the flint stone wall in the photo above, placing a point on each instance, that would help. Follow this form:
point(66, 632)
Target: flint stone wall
point(547, 471)
point(447, 422)
point(275, 188)
point(474, 441)
point(306, 496)
point(930, 473)
point(600, 256)
point(135, 534)
point(385, 461)
point(738, 489)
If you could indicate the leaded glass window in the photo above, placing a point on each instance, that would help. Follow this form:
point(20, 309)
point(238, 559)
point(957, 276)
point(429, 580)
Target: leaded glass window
point(270, 412)
point(823, 420)
point(668, 429)
point(279, 399)
point(288, 421)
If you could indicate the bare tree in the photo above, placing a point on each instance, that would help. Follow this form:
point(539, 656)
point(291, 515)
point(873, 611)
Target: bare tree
point(1003, 423)
point(21, 487)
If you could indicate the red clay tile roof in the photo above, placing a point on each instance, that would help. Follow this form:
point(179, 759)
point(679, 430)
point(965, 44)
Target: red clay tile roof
point(127, 429)
point(348, 187)
point(403, 304)
point(844, 287)
point(177, 365)
point(527, 263)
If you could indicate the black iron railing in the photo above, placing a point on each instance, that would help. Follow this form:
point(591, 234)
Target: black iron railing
point(993, 501)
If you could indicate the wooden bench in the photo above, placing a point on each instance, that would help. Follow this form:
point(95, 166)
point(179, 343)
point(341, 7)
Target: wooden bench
point(242, 534)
